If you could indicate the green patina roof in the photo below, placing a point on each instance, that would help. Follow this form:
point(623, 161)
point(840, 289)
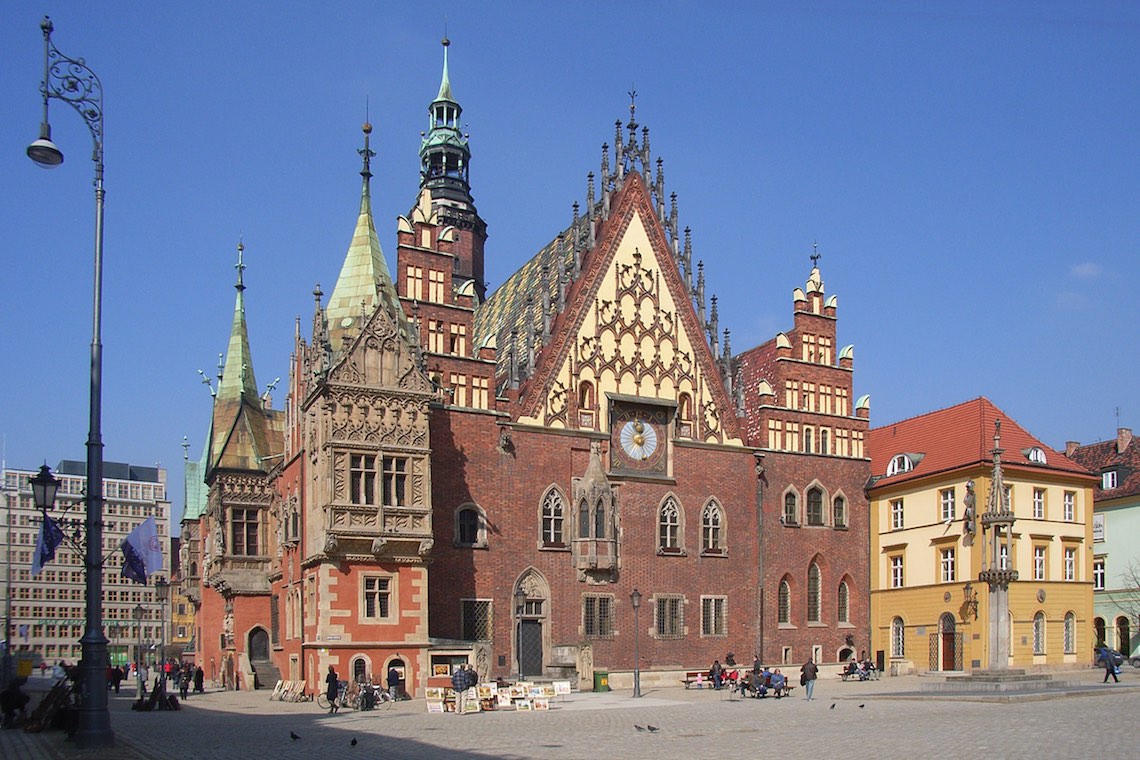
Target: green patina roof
point(195, 486)
point(242, 431)
point(237, 374)
point(364, 282)
point(445, 83)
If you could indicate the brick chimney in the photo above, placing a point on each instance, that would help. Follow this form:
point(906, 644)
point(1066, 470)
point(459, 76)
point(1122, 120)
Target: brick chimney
point(1071, 448)
point(1123, 438)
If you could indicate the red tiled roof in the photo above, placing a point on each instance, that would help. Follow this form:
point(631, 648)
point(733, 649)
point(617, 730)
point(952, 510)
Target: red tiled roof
point(959, 436)
point(1099, 457)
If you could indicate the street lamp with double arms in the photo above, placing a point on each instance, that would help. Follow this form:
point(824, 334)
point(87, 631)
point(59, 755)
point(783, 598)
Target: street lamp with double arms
point(70, 80)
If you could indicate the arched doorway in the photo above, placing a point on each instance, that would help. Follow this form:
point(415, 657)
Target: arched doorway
point(530, 619)
point(948, 642)
point(259, 645)
point(1098, 631)
point(1123, 636)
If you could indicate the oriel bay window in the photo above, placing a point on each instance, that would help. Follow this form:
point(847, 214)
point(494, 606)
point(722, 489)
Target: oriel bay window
point(395, 483)
point(362, 479)
point(243, 532)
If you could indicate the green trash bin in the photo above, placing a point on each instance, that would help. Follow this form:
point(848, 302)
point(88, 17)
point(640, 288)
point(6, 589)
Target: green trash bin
point(601, 680)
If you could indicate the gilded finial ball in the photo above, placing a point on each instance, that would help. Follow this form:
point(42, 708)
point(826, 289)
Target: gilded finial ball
point(367, 128)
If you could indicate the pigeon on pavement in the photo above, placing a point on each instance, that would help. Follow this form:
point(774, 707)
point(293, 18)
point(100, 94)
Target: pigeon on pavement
point(653, 729)
point(639, 728)
point(293, 736)
point(353, 742)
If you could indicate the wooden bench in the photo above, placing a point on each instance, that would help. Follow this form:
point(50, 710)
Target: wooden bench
point(697, 678)
point(783, 691)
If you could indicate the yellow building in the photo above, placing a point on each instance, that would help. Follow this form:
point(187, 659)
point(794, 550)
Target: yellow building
point(931, 484)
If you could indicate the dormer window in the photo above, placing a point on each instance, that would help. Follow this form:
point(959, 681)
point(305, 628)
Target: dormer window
point(900, 463)
point(1036, 455)
point(1108, 480)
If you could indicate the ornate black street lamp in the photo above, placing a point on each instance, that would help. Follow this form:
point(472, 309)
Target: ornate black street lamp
point(635, 600)
point(71, 81)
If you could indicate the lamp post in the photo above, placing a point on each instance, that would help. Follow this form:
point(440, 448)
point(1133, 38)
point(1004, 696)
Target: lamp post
point(161, 587)
point(45, 486)
point(139, 612)
point(520, 606)
point(71, 81)
point(635, 600)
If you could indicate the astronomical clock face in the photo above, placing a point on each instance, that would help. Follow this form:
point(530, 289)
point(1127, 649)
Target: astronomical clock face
point(638, 438)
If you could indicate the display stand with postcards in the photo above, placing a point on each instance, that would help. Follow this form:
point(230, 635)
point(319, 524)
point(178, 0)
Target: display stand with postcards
point(522, 696)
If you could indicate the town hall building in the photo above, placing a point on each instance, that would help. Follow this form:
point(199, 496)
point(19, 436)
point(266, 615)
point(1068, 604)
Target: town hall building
point(539, 481)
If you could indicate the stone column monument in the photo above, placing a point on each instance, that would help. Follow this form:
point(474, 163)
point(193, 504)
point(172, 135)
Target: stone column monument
point(997, 565)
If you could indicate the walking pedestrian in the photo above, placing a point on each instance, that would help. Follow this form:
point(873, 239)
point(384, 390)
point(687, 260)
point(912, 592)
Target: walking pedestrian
point(332, 690)
point(808, 674)
point(1110, 667)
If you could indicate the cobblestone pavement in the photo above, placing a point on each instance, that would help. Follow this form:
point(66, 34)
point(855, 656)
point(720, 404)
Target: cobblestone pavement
point(855, 720)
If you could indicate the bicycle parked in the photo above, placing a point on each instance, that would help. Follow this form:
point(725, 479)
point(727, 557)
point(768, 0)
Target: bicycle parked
point(357, 697)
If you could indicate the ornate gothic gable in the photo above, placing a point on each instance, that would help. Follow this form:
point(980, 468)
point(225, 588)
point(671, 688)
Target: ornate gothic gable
point(631, 330)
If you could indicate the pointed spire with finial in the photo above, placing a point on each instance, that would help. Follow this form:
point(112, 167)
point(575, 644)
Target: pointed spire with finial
point(237, 381)
point(364, 283)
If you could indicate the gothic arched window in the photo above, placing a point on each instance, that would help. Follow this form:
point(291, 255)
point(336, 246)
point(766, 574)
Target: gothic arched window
point(814, 506)
point(711, 539)
point(669, 527)
point(813, 602)
point(552, 519)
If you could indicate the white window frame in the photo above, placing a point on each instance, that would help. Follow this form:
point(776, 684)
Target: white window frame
point(1108, 480)
point(946, 499)
point(1039, 563)
point(1099, 575)
point(898, 577)
point(1039, 633)
point(948, 564)
point(1038, 503)
point(898, 638)
point(1070, 565)
point(1070, 642)
point(1070, 506)
point(897, 515)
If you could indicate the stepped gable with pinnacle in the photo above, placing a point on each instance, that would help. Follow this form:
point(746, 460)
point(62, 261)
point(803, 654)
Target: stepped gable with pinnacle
point(563, 313)
point(815, 514)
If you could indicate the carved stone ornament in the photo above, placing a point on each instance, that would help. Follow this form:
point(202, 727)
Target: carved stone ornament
point(331, 544)
point(378, 545)
point(426, 546)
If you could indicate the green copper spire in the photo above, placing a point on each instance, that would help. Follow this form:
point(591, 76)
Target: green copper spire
point(445, 83)
point(444, 155)
point(364, 282)
point(237, 376)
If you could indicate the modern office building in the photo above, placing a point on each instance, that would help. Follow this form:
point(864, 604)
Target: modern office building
point(47, 612)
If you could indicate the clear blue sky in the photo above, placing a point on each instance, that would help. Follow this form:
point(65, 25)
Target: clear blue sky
point(970, 171)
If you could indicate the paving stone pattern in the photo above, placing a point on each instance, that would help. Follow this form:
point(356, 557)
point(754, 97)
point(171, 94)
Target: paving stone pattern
point(692, 724)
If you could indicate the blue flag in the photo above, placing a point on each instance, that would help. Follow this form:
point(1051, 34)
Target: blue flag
point(142, 552)
point(49, 538)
